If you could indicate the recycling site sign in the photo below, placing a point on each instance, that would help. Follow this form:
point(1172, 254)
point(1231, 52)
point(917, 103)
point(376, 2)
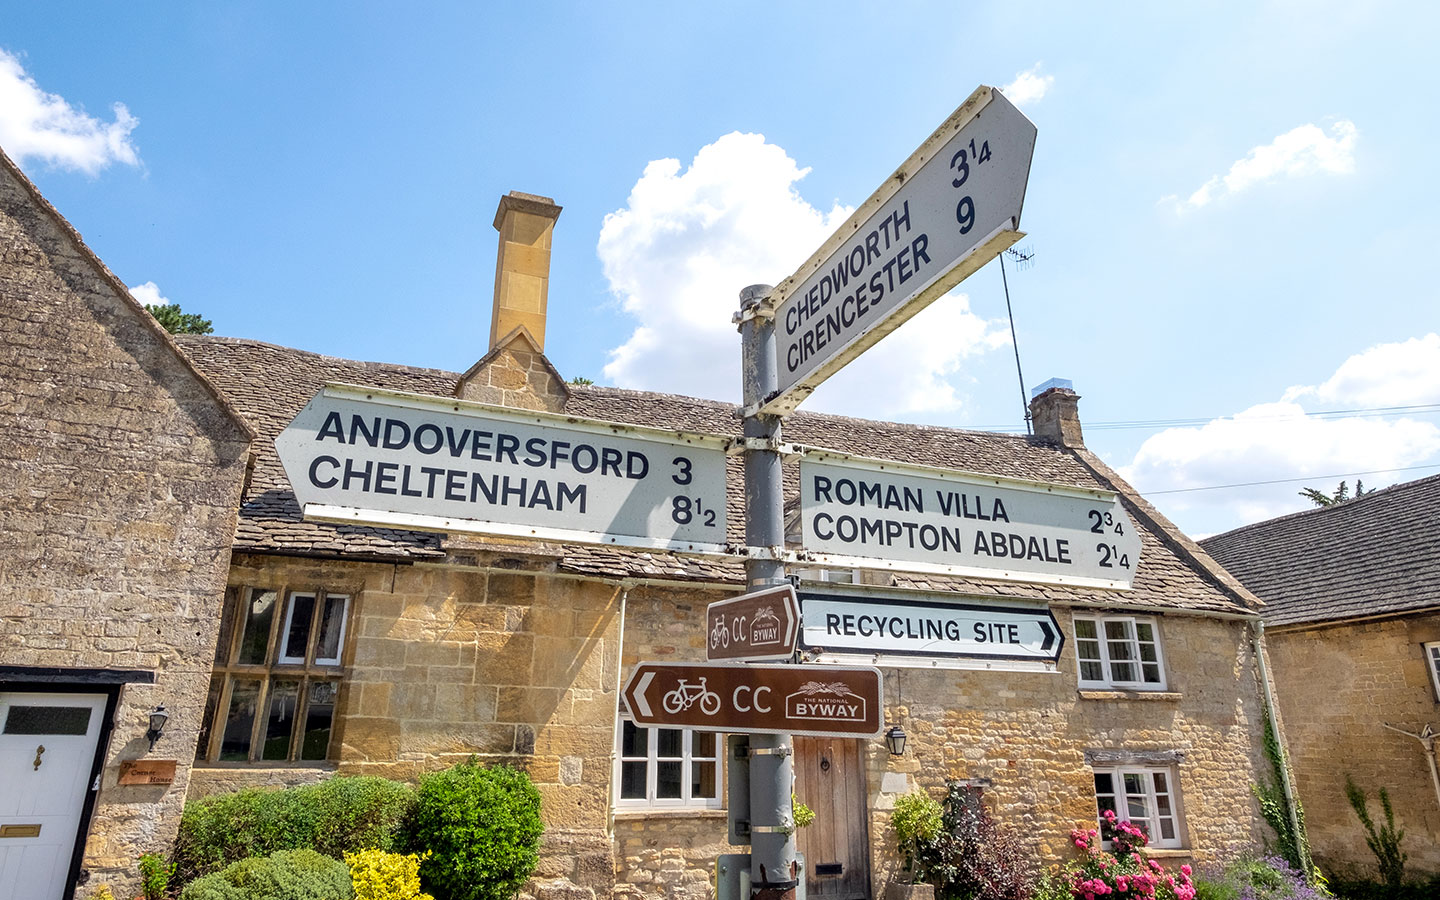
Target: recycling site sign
point(855, 626)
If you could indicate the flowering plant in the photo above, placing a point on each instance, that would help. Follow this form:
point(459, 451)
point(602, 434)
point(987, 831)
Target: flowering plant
point(1122, 873)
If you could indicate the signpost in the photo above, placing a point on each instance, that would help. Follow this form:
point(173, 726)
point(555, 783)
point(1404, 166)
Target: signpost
point(825, 701)
point(759, 625)
point(950, 208)
point(369, 456)
point(858, 512)
point(884, 626)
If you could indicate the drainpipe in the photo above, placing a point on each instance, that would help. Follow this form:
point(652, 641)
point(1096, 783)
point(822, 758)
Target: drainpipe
point(615, 737)
point(1301, 843)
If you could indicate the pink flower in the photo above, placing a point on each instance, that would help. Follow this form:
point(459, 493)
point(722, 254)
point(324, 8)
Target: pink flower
point(1185, 870)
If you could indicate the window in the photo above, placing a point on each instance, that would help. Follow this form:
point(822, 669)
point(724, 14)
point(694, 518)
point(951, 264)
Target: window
point(277, 674)
point(1119, 651)
point(660, 767)
point(1432, 661)
point(1144, 797)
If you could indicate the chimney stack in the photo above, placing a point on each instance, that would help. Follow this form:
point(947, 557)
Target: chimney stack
point(1055, 413)
point(526, 223)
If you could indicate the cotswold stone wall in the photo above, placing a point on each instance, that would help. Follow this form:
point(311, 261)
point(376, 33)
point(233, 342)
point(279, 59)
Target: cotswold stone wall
point(1337, 687)
point(522, 666)
point(120, 479)
point(1028, 735)
point(1025, 734)
point(511, 666)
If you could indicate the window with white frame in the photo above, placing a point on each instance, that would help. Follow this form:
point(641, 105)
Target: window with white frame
point(1119, 652)
point(1146, 797)
point(668, 767)
point(1432, 661)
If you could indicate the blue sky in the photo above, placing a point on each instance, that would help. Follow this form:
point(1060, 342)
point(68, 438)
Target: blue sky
point(1231, 205)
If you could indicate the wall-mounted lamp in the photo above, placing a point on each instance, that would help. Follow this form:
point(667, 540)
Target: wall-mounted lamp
point(157, 725)
point(895, 740)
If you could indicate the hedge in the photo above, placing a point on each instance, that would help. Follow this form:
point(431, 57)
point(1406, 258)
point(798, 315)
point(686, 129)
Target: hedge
point(334, 816)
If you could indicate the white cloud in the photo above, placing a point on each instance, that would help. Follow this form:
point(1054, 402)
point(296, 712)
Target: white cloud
point(1278, 440)
point(688, 240)
point(149, 294)
point(1028, 87)
point(1301, 151)
point(35, 125)
point(1404, 374)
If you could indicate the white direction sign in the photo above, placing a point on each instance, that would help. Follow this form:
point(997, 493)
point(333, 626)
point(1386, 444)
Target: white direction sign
point(949, 209)
point(867, 625)
point(859, 512)
point(367, 456)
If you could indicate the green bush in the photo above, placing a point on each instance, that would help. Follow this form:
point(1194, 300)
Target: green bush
point(482, 828)
point(283, 875)
point(337, 815)
point(917, 820)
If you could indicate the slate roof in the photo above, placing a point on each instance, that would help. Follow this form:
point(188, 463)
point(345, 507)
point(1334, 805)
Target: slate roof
point(1374, 555)
point(270, 384)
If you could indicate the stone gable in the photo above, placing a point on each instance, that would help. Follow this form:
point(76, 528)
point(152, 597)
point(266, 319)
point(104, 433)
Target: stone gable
point(120, 475)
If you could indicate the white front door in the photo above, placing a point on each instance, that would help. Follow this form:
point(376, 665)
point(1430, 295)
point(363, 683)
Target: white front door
point(47, 749)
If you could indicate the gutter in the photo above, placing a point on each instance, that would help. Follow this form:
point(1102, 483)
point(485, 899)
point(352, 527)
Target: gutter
point(615, 731)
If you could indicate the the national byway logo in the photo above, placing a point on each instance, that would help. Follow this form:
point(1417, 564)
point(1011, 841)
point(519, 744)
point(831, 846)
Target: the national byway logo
point(766, 627)
point(817, 701)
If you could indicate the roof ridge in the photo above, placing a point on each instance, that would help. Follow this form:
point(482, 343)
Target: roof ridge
point(1378, 493)
point(218, 338)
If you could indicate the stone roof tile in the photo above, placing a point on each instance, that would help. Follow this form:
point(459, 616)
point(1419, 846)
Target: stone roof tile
point(270, 384)
point(1374, 555)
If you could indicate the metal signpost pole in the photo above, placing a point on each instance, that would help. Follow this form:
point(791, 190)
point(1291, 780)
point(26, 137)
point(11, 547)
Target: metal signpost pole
point(773, 874)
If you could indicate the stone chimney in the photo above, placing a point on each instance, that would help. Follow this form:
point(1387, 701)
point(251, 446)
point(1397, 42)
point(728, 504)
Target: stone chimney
point(1055, 413)
point(526, 223)
point(514, 371)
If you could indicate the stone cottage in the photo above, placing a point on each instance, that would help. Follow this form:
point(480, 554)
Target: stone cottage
point(121, 469)
point(359, 649)
point(1352, 619)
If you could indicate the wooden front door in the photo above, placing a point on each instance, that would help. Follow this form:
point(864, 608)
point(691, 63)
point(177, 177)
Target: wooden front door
point(830, 779)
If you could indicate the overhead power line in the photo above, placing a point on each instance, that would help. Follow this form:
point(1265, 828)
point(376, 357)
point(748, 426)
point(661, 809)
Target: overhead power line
point(1420, 409)
point(1219, 487)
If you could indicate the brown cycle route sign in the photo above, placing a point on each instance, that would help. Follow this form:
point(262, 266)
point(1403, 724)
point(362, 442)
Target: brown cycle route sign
point(758, 625)
point(823, 701)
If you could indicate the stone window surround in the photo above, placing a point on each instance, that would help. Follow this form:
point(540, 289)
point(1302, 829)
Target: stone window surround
point(228, 669)
point(1107, 684)
point(651, 805)
point(1149, 762)
point(1432, 664)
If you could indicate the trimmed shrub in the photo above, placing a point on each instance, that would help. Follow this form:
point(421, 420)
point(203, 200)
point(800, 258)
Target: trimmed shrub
point(482, 828)
point(337, 815)
point(377, 875)
point(283, 875)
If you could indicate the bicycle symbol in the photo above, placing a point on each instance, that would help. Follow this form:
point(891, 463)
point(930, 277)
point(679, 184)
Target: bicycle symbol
point(720, 634)
point(685, 695)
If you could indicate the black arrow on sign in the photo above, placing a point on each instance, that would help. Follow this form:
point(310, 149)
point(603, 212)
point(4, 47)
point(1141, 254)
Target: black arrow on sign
point(1049, 636)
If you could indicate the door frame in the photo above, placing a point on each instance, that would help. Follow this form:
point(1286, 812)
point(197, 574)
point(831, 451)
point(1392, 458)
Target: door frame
point(78, 681)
